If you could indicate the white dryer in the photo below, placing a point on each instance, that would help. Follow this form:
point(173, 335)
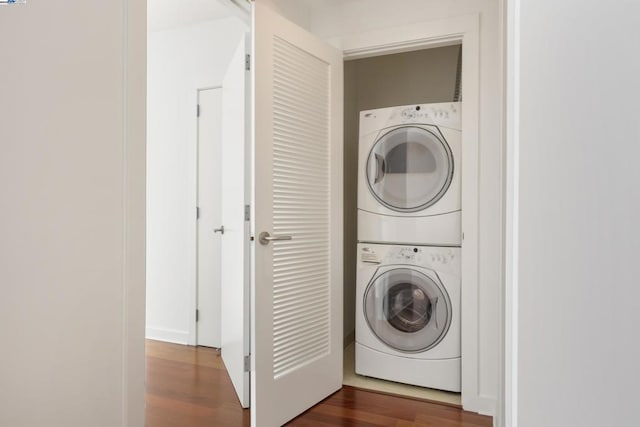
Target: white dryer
point(409, 175)
point(408, 315)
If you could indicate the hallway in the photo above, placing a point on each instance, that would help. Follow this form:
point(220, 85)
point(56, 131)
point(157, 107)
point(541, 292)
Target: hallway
point(189, 387)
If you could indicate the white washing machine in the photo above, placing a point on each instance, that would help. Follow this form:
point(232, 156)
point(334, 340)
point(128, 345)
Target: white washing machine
point(409, 175)
point(408, 315)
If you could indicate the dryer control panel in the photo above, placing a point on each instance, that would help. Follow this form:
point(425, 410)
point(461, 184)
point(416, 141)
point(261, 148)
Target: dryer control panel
point(445, 114)
point(428, 112)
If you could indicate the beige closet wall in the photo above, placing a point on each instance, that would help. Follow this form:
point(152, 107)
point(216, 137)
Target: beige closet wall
point(424, 76)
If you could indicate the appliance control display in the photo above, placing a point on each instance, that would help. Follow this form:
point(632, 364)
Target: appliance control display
point(442, 258)
point(368, 254)
point(437, 258)
point(440, 113)
point(407, 254)
point(412, 255)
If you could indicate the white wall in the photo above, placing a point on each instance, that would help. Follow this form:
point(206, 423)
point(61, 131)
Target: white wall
point(180, 61)
point(296, 11)
point(579, 304)
point(357, 16)
point(72, 213)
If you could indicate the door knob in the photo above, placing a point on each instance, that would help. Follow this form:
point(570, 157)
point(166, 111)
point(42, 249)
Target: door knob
point(264, 238)
point(219, 230)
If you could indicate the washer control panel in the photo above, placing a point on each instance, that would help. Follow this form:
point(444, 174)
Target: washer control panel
point(369, 254)
point(435, 257)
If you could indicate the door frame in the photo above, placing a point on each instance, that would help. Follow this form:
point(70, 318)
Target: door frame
point(193, 296)
point(510, 27)
point(192, 188)
point(464, 30)
point(134, 210)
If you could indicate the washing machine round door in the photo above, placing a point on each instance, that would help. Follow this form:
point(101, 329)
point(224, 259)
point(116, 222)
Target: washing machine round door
point(407, 310)
point(409, 168)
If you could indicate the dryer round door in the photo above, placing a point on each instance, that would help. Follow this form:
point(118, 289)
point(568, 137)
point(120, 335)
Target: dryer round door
point(409, 168)
point(407, 310)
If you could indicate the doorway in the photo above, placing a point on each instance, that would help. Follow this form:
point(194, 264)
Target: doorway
point(209, 217)
point(190, 46)
point(425, 76)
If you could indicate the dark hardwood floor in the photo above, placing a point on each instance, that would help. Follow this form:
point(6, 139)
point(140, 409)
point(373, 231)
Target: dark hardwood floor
point(189, 387)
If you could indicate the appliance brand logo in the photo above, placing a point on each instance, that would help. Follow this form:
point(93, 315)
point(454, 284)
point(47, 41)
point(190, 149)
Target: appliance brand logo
point(2, 2)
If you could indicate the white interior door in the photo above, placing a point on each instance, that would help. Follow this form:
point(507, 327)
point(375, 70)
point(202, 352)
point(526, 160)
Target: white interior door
point(236, 196)
point(209, 217)
point(297, 304)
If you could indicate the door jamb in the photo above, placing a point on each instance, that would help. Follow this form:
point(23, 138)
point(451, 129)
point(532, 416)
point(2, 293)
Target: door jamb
point(510, 26)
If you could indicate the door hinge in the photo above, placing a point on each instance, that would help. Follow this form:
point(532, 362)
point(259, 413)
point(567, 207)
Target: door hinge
point(197, 212)
point(247, 363)
point(247, 212)
point(197, 315)
point(247, 62)
point(198, 110)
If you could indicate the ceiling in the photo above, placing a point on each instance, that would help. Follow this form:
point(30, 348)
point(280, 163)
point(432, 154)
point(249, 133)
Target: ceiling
point(321, 4)
point(166, 14)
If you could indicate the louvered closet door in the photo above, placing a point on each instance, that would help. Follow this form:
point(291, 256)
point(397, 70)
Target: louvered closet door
point(297, 340)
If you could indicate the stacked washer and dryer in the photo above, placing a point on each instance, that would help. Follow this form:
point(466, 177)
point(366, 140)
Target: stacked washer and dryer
point(409, 238)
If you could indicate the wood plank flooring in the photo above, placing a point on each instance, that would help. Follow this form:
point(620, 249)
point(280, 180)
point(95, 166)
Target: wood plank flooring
point(189, 387)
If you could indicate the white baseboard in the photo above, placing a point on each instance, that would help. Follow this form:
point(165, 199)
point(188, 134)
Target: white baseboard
point(167, 335)
point(480, 404)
